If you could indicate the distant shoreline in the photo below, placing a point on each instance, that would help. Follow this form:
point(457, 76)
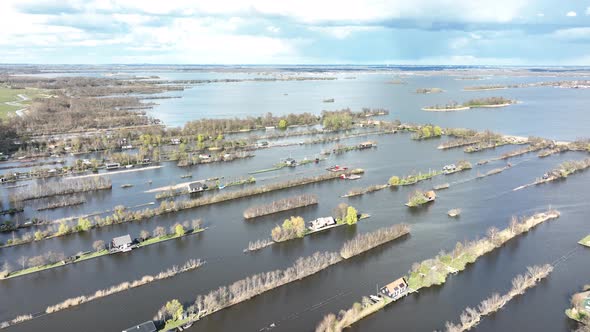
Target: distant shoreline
point(463, 108)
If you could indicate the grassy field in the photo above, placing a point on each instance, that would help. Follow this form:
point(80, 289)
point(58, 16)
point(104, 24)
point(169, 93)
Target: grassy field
point(585, 241)
point(11, 96)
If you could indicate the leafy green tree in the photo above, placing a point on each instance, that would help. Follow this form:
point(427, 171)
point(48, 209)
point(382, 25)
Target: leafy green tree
point(426, 132)
point(283, 124)
point(63, 228)
point(174, 309)
point(393, 181)
point(38, 236)
point(351, 215)
point(437, 131)
point(84, 224)
point(179, 230)
point(200, 138)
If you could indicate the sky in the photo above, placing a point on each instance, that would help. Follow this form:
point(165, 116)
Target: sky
point(404, 32)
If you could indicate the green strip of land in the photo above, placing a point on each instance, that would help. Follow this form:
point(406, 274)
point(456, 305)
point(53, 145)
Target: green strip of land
point(96, 254)
point(585, 241)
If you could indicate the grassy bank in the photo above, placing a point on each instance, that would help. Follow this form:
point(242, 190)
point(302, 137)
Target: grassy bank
point(95, 254)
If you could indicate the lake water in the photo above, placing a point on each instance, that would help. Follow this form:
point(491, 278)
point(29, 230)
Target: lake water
point(299, 306)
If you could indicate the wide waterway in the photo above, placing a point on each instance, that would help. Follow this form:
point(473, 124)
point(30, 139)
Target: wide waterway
point(299, 306)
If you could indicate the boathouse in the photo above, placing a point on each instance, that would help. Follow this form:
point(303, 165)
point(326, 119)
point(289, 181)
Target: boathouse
point(320, 223)
point(196, 187)
point(148, 326)
point(395, 289)
point(122, 243)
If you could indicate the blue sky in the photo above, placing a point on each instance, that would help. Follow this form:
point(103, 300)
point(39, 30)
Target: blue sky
point(455, 32)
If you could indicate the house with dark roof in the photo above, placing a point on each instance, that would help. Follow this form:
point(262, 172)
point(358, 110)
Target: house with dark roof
point(196, 187)
point(148, 326)
point(122, 243)
point(395, 289)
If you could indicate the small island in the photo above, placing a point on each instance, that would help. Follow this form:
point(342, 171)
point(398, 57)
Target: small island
point(429, 90)
point(580, 310)
point(419, 197)
point(491, 102)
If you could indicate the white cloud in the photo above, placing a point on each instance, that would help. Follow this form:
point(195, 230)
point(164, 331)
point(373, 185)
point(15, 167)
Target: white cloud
point(273, 29)
point(540, 15)
point(341, 32)
point(571, 14)
point(572, 34)
point(588, 11)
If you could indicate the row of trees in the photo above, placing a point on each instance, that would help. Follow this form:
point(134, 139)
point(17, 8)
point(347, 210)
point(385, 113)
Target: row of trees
point(280, 205)
point(472, 316)
point(247, 288)
point(66, 187)
point(367, 241)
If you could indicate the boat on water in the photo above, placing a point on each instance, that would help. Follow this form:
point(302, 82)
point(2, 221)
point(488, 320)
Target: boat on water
point(221, 186)
point(350, 177)
point(336, 168)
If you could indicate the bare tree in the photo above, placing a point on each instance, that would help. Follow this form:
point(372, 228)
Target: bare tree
point(22, 261)
point(98, 245)
point(144, 235)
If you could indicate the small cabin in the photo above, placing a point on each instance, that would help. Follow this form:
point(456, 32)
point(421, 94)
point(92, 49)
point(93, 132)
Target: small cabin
point(175, 141)
point(148, 326)
point(430, 195)
point(449, 168)
point(395, 289)
point(197, 187)
point(109, 166)
point(122, 243)
point(320, 223)
point(290, 162)
point(366, 145)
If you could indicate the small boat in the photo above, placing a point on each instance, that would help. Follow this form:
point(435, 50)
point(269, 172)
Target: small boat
point(336, 168)
point(129, 166)
point(221, 186)
point(441, 186)
point(454, 212)
point(350, 177)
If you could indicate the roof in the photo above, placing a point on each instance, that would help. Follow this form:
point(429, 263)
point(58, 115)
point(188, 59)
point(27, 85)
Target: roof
point(196, 185)
point(399, 283)
point(430, 194)
point(143, 327)
point(122, 240)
